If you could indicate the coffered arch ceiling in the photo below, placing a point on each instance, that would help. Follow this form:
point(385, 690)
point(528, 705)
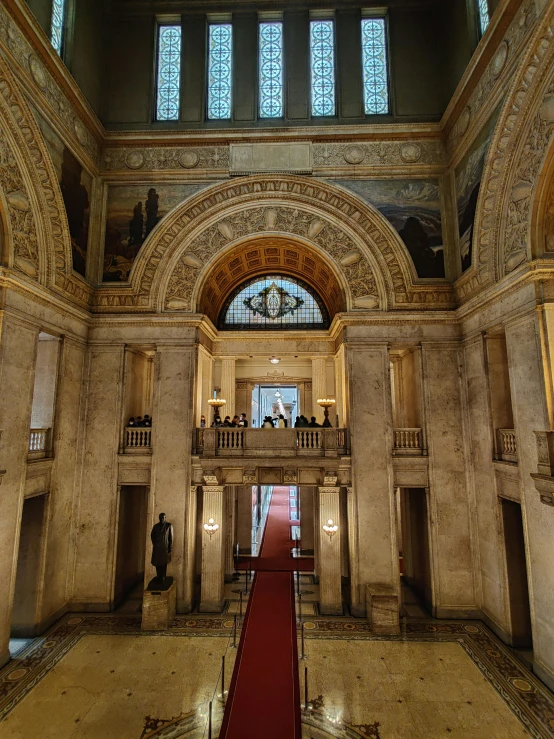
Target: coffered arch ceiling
point(269, 255)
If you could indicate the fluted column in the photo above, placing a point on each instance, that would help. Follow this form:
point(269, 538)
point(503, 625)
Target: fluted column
point(330, 596)
point(228, 385)
point(213, 550)
point(18, 347)
point(319, 385)
point(206, 385)
point(230, 498)
point(340, 389)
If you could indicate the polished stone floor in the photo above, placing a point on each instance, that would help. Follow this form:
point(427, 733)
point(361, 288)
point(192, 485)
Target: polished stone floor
point(100, 677)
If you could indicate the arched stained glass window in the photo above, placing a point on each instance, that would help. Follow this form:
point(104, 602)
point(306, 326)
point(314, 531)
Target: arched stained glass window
point(56, 26)
point(483, 7)
point(220, 60)
point(322, 59)
point(374, 58)
point(169, 73)
point(273, 302)
point(271, 70)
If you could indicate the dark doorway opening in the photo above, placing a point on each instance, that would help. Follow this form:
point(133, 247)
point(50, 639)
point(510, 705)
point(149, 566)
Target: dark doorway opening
point(516, 571)
point(416, 555)
point(131, 542)
point(30, 565)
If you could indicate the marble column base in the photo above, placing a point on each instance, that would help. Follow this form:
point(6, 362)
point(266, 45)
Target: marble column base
point(382, 609)
point(209, 607)
point(158, 608)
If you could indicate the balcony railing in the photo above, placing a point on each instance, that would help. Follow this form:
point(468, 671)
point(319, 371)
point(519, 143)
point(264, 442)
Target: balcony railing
point(408, 442)
point(138, 439)
point(305, 442)
point(39, 443)
point(507, 444)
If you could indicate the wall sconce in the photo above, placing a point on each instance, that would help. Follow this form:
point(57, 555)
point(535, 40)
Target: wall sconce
point(211, 527)
point(330, 528)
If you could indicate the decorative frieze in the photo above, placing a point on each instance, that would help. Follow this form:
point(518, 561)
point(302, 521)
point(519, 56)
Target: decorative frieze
point(379, 154)
point(157, 158)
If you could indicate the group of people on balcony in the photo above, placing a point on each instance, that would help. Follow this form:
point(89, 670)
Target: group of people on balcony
point(217, 423)
point(270, 423)
point(140, 421)
point(303, 423)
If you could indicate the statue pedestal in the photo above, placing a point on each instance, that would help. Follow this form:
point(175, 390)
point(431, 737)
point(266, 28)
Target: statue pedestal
point(382, 609)
point(159, 605)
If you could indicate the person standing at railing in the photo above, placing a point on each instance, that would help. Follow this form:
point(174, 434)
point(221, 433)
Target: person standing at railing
point(235, 422)
point(147, 421)
point(131, 422)
point(217, 424)
point(282, 422)
point(268, 423)
point(202, 422)
point(314, 424)
point(243, 423)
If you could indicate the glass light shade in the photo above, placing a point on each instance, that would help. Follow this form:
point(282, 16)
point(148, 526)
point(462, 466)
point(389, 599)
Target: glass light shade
point(274, 360)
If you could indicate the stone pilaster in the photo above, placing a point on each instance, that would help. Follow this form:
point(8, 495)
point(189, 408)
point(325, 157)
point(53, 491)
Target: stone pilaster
point(228, 386)
point(330, 596)
point(93, 575)
point(18, 348)
point(372, 524)
point(190, 549)
point(451, 550)
point(171, 459)
point(206, 385)
point(229, 527)
point(530, 409)
point(319, 386)
point(213, 550)
point(306, 495)
point(340, 390)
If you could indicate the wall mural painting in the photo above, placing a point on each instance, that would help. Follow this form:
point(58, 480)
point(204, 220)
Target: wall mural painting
point(132, 212)
point(76, 187)
point(468, 174)
point(413, 208)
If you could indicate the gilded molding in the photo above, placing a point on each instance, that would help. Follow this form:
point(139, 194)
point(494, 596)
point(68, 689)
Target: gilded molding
point(379, 154)
point(158, 158)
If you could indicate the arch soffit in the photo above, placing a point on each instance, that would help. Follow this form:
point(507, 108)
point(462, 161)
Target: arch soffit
point(40, 245)
point(256, 257)
point(324, 216)
point(516, 154)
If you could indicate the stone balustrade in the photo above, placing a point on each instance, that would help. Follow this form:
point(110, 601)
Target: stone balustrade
point(39, 442)
point(408, 442)
point(507, 445)
point(138, 439)
point(239, 442)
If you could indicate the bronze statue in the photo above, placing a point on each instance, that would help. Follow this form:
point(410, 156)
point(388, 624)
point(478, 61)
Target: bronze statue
point(162, 544)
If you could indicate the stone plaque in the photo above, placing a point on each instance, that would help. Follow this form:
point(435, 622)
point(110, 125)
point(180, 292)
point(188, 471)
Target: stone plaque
point(274, 157)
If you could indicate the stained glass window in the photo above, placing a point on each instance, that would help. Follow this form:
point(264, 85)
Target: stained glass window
point(273, 302)
point(483, 7)
point(169, 73)
point(271, 70)
point(220, 60)
point(56, 26)
point(322, 58)
point(374, 59)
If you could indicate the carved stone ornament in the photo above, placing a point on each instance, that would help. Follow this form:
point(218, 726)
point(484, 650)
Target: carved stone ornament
point(31, 190)
point(210, 478)
point(379, 154)
point(27, 64)
point(509, 49)
point(517, 151)
point(290, 477)
point(330, 479)
point(157, 158)
point(249, 477)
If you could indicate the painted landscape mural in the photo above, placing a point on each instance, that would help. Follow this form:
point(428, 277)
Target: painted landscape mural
point(468, 183)
point(413, 209)
point(76, 187)
point(132, 212)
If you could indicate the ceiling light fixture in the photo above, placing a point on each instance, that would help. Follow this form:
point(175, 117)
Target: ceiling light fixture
point(274, 360)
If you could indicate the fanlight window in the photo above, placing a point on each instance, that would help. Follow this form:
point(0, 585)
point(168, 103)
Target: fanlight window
point(274, 303)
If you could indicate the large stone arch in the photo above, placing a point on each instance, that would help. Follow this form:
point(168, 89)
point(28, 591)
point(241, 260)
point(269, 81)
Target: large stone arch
point(367, 254)
point(520, 144)
point(39, 245)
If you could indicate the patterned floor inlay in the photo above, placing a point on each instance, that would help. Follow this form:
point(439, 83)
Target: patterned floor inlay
point(400, 681)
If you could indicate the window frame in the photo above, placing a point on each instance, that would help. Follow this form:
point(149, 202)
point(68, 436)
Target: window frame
point(63, 30)
point(479, 17)
point(267, 19)
point(167, 22)
point(377, 14)
point(223, 20)
point(316, 17)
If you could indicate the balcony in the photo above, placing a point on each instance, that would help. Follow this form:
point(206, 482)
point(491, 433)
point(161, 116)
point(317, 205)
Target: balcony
point(138, 440)
point(39, 443)
point(506, 445)
point(237, 442)
point(408, 442)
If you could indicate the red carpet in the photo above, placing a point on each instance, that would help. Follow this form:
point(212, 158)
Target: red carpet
point(264, 696)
